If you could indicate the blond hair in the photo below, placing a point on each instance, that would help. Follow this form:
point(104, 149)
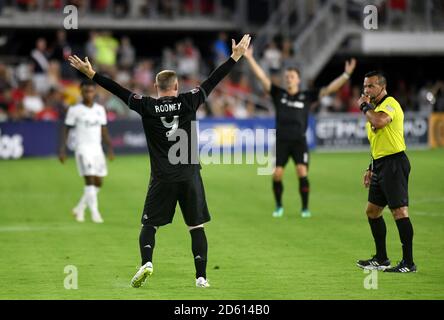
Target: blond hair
point(166, 79)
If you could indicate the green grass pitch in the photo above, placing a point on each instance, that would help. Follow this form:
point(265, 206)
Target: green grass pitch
point(251, 255)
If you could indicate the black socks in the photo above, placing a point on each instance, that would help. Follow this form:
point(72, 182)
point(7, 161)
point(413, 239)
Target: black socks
point(405, 229)
point(199, 246)
point(304, 189)
point(379, 232)
point(146, 243)
point(278, 189)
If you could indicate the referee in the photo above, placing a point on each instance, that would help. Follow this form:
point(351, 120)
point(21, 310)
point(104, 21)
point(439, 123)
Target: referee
point(292, 109)
point(388, 174)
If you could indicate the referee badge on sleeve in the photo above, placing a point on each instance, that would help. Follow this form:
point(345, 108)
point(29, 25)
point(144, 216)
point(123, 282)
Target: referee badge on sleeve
point(390, 108)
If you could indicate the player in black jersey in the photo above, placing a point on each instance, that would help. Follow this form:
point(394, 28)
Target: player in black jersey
point(292, 109)
point(175, 172)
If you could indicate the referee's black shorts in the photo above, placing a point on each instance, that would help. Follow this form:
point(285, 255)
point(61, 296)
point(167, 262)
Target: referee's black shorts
point(296, 149)
point(162, 197)
point(389, 183)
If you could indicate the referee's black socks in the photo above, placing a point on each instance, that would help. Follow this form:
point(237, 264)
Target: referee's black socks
point(199, 246)
point(405, 229)
point(304, 189)
point(278, 189)
point(146, 243)
point(379, 232)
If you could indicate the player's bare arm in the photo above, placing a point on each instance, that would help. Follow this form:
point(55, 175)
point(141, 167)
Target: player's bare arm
point(64, 138)
point(107, 139)
point(378, 120)
point(257, 70)
point(337, 83)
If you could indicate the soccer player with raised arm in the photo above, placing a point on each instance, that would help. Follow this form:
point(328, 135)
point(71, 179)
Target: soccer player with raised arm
point(163, 117)
point(88, 120)
point(388, 174)
point(292, 109)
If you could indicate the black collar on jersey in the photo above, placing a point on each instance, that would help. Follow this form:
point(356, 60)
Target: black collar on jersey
point(382, 100)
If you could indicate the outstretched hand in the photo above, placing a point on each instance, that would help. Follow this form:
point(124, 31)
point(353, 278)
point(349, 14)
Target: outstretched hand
point(83, 66)
point(350, 66)
point(240, 48)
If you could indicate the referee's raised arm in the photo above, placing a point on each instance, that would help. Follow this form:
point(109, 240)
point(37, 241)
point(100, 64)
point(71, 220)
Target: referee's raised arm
point(84, 66)
point(238, 50)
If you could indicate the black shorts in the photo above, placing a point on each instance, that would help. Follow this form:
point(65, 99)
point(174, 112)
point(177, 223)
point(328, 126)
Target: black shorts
point(298, 150)
point(389, 183)
point(162, 197)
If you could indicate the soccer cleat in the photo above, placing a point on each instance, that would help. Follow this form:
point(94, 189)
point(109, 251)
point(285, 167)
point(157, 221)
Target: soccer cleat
point(306, 213)
point(141, 275)
point(279, 212)
point(97, 218)
point(402, 267)
point(373, 264)
point(201, 282)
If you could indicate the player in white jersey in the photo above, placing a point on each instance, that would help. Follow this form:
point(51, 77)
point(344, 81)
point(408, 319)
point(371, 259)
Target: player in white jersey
point(88, 121)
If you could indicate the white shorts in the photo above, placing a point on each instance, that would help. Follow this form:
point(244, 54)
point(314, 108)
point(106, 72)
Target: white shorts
point(91, 162)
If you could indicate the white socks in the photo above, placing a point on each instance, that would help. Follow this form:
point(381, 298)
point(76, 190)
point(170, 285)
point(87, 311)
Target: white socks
point(91, 200)
point(81, 206)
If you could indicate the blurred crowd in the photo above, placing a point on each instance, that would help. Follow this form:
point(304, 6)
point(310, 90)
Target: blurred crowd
point(123, 8)
point(44, 85)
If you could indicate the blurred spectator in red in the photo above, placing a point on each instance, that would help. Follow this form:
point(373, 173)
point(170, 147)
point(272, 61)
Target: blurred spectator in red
point(55, 100)
point(48, 113)
point(80, 4)
point(32, 102)
point(353, 105)
point(53, 4)
point(188, 57)
point(204, 7)
point(99, 5)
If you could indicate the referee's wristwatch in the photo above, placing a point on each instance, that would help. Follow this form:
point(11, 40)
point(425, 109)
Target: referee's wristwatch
point(365, 106)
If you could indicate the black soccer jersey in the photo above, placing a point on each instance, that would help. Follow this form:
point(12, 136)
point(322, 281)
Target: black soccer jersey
point(168, 124)
point(292, 112)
